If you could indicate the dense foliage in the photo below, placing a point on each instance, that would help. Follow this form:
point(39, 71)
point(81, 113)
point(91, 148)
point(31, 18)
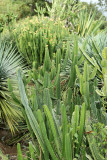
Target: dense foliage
point(53, 82)
point(9, 61)
point(35, 34)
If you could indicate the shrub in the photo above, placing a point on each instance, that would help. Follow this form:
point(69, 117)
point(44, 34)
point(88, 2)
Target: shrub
point(6, 21)
point(100, 132)
point(1, 23)
point(32, 36)
point(104, 25)
point(23, 11)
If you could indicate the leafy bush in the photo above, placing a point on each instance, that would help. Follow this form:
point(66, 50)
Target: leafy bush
point(2, 22)
point(104, 25)
point(79, 18)
point(100, 132)
point(6, 21)
point(15, 7)
point(63, 9)
point(23, 11)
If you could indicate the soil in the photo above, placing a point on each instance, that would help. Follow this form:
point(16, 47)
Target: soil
point(7, 150)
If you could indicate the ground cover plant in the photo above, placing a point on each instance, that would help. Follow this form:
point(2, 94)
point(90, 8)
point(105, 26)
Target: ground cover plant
point(53, 84)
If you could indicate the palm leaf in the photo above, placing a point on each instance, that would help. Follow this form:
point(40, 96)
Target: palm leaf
point(9, 61)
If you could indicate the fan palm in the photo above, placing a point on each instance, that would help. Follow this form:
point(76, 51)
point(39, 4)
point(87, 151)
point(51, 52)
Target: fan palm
point(10, 113)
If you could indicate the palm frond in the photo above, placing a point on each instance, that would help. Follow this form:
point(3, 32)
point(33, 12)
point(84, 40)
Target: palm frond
point(10, 59)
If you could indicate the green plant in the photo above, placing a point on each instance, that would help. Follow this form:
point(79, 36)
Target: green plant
point(34, 34)
point(96, 59)
point(29, 154)
point(3, 156)
point(16, 7)
point(53, 140)
point(100, 133)
point(38, 6)
point(94, 147)
point(84, 81)
point(104, 25)
point(23, 11)
point(2, 22)
point(92, 48)
point(91, 8)
point(103, 92)
point(9, 61)
point(40, 10)
point(58, 9)
point(67, 10)
point(86, 24)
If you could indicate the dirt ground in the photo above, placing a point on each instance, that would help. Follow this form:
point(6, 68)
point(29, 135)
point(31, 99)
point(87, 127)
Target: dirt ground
point(7, 150)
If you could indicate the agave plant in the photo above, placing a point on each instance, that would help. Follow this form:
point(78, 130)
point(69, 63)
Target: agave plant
point(91, 48)
point(9, 61)
point(86, 24)
point(103, 92)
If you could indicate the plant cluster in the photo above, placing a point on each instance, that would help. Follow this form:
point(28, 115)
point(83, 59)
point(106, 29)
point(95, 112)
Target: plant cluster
point(53, 84)
point(35, 34)
point(6, 21)
point(58, 117)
